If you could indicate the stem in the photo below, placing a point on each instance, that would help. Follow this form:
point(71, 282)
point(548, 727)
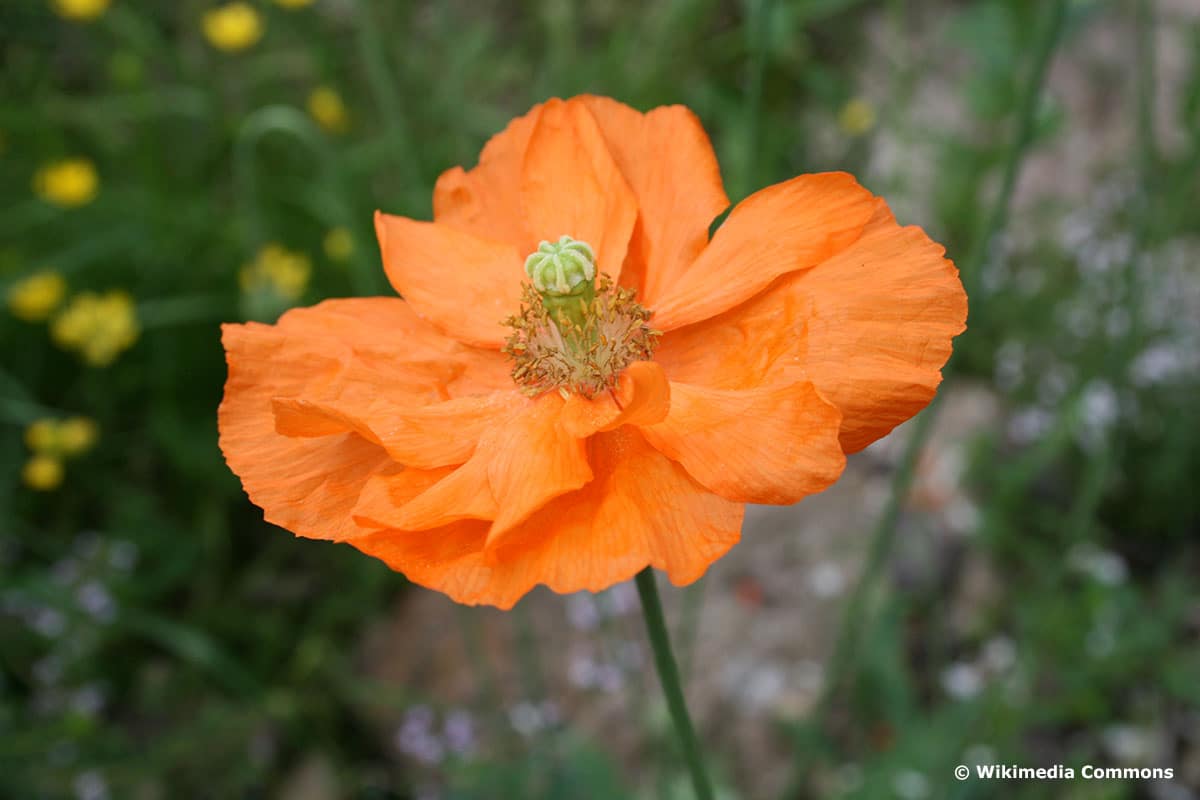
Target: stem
point(756, 32)
point(972, 268)
point(668, 675)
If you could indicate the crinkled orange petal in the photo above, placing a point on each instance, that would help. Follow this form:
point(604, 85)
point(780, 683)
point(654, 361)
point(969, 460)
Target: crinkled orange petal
point(740, 348)
point(465, 285)
point(378, 345)
point(311, 485)
point(305, 419)
point(534, 460)
point(642, 396)
point(871, 327)
point(486, 201)
point(571, 186)
point(774, 443)
point(523, 460)
point(391, 489)
point(424, 437)
point(641, 509)
point(790, 226)
point(666, 157)
point(885, 312)
point(459, 493)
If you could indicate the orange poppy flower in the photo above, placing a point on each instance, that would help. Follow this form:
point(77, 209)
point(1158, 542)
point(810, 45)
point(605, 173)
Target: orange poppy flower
point(483, 438)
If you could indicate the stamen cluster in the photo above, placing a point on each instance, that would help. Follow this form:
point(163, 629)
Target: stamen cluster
point(582, 349)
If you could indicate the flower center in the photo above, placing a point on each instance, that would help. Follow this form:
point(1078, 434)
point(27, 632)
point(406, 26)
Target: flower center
point(574, 333)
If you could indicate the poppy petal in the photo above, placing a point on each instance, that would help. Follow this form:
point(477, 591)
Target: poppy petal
point(571, 186)
point(884, 314)
point(641, 509)
point(523, 460)
point(769, 444)
point(667, 158)
point(642, 396)
point(486, 201)
point(389, 492)
point(790, 226)
point(534, 460)
point(871, 327)
point(465, 285)
point(423, 437)
point(351, 349)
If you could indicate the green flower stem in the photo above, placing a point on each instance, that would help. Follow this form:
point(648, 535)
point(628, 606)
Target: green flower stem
point(668, 675)
point(758, 14)
point(995, 222)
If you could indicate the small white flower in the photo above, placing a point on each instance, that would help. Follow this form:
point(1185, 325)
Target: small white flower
point(1029, 424)
point(962, 680)
point(1103, 566)
point(582, 612)
point(525, 718)
point(581, 671)
point(459, 731)
point(826, 579)
point(999, 654)
point(94, 598)
point(48, 622)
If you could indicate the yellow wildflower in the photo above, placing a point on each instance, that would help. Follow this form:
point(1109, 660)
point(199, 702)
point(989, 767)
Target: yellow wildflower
point(77, 435)
point(67, 183)
point(339, 244)
point(233, 26)
point(293, 3)
point(276, 270)
point(35, 298)
point(326, 107)
point(80, 10)
point(856, 117)
point(98, 326)
point(42, 473)
point(42, 435)
point(69, 437)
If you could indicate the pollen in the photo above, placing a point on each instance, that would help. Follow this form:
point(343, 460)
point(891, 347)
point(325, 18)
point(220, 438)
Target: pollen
point(581, 348)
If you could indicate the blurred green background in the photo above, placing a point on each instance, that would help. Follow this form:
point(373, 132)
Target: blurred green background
point(168, 166)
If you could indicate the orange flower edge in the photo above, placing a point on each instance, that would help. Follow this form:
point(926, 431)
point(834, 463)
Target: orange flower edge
point(653, 383)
